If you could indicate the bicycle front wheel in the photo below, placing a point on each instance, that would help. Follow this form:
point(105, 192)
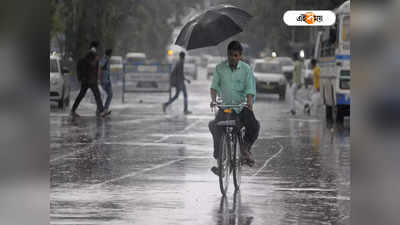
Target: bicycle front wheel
point(237, 168)
point(224, 163)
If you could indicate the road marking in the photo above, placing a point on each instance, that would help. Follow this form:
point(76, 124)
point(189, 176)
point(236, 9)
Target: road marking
point(268, 160)
point(306, 189)
point(72, 153)
point(183, 131)
point(139, 172)
point(144, 144)
point(305, 120)
point(98, 141)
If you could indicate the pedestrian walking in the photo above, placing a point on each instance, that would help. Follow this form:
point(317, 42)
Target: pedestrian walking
point(178, 79)
point(105, 79)
point(88, 76)
point(296, 82)
point(316, 75)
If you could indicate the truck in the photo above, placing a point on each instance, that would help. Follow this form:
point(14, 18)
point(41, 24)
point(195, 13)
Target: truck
point(332, 50)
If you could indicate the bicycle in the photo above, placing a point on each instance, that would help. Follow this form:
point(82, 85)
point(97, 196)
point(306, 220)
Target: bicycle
point(229, 158)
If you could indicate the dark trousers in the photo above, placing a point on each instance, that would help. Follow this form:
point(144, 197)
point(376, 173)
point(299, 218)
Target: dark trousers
point(108, 89)
point(179, 88)
point(82, 93)
point(245, 117)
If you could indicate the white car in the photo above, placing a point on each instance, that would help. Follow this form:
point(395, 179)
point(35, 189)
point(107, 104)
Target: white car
point(287, 66)
point(269, 77)
point(116, 64)
point(59, 82)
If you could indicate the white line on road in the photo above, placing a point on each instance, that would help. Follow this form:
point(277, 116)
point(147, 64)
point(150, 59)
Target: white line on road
point(72, 153)
point(138, 172)
point(306, 189)
point(152, 144)
point(183, 131)
point(268, 160)
point(305, 120)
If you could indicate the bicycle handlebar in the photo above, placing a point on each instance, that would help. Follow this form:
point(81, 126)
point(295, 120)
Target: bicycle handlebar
point(221, 106)
point(232, 106)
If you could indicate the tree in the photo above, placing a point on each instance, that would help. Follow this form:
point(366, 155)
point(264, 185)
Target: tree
point(125, 25)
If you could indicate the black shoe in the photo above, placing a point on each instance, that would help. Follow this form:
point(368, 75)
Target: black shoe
point(293, 112)
point(215, 155)
point(102, 114)
point(106, 112)
point(74, 114)
point(164, 107)
point(187, 112)
point(250, 161)
point(246, 155)
point(307, 109)
point(215, 170)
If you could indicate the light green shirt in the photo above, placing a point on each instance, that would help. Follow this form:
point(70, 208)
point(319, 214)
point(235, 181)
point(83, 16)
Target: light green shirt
point(234, 86)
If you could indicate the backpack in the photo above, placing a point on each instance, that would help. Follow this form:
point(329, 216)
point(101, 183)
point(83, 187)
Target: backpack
point(104, 67)
point(82, 70)
point(173, 78)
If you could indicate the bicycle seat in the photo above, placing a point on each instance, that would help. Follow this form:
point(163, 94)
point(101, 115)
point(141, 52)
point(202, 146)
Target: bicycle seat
point(226, 123)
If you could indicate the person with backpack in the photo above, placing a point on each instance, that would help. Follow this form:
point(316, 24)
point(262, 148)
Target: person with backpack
point(87, 71)
point(105, 79)
point(178, 80)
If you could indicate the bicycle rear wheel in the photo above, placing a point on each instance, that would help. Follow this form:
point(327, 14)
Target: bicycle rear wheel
point(237, 168)
point(224, 164)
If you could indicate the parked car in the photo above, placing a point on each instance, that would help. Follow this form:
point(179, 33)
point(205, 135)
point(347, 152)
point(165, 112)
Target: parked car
point(287, 67)
point(60, 86)
point(116, 67)
point(190, 67)
point(307, 73)
point(269, 77)
point(116, 64)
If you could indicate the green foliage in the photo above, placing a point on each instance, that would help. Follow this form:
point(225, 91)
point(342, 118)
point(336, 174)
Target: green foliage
point(56, 23)
point(124, 25)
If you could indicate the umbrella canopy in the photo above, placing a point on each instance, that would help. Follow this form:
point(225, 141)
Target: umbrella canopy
point(212, 27)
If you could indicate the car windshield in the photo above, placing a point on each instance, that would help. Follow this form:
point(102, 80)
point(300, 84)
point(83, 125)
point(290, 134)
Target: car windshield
point(286, 62)
point(115, 61)
point(135, 60)
point(267, 68)
point(53, 66)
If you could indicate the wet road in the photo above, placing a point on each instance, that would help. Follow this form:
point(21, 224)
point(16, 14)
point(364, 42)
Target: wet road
point(140, 166)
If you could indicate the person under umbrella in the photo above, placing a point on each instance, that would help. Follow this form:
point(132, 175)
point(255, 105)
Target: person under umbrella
point(235, 83)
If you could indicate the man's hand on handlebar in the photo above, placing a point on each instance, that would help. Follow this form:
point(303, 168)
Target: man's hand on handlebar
point(250, 106)
point(212, 105)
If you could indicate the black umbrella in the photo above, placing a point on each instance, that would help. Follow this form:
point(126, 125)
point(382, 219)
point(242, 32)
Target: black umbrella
point(212, 27)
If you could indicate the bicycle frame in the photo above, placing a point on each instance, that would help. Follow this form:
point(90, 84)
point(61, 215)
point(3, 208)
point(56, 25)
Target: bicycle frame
point(229, 154)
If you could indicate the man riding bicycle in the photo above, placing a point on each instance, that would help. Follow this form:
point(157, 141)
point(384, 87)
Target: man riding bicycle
point(234, 82)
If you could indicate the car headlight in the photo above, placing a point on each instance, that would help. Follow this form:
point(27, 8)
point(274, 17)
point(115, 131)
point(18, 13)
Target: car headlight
point(282, 81)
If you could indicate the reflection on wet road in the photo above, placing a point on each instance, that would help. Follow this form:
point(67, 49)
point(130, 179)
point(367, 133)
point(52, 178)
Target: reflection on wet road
point(141, 166)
